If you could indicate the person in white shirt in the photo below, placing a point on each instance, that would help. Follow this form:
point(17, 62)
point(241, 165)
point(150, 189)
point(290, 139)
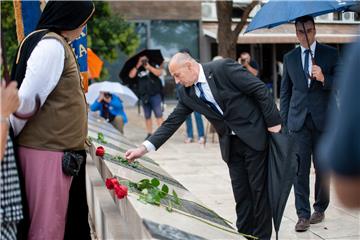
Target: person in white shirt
point(46, 66)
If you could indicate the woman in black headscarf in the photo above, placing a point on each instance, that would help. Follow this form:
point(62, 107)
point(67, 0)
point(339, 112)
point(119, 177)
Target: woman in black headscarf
point(46, 66)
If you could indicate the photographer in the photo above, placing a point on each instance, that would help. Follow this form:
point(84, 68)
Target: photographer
point(111, 108)
point(250, 65)
point(150, 90)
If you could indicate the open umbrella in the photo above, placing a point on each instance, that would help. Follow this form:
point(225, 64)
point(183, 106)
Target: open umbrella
point(126, 95)
point(95, 64)
point(282, 165)
point(277, 12)
point(154, 56)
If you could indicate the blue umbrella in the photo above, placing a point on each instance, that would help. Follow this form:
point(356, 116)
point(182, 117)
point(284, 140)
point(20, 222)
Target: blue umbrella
point(277, 12)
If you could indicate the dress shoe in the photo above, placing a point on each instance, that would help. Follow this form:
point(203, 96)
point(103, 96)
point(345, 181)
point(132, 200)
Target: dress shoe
point(302, 225)
point(317, 217)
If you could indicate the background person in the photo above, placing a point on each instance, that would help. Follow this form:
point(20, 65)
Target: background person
point(150, 90)
point(189, 129)
point(111, 108)
point(250, 64)
point(340, 148)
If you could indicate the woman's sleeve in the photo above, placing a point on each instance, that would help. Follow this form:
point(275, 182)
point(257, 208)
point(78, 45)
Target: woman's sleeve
point(44, 68)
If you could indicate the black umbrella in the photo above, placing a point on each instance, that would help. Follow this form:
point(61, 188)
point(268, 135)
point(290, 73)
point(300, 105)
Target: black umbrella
point(282, 165)
point(155, 58)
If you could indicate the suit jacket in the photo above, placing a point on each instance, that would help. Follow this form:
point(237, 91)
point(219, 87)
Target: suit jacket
point(296, 98)
point(248, 107)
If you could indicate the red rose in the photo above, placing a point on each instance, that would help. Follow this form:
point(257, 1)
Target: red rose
point(111, 183)
point(121, 191)
point(100, 151)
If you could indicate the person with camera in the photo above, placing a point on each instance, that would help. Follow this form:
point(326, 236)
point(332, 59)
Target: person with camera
point(111, 108)
point(150, 90)
point(249, 64)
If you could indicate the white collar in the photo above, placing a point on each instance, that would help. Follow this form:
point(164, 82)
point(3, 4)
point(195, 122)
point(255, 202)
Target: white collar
point(312, 47)
point(201, 77)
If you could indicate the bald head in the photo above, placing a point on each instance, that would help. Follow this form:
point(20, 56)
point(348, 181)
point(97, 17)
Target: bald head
point(184, 69)
point(180, 58)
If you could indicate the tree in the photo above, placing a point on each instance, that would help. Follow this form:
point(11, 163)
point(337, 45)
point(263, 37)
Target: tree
point(9, 30)
point(227, 38)
point(107, 31)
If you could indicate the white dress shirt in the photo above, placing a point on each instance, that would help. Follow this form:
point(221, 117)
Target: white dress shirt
point(312, 47)
point(43, 71)
point(208, 95)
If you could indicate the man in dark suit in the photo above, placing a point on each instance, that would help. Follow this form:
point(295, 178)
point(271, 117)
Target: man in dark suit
point(304, 97)
point(241, 110)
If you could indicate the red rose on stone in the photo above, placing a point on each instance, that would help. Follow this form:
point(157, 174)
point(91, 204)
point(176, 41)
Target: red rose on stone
point(121, 191)
point(111, 182)
point(100, 151)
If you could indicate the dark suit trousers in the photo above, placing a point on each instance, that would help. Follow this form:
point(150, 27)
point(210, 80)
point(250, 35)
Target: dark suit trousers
point(307, 139)
point(248, 173)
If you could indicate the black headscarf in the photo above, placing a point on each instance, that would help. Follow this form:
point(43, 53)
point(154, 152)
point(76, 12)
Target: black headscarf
point(57, 16)
point(65, 15)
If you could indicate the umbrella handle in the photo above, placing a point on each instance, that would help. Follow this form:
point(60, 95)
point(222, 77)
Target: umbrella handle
point(311, 53)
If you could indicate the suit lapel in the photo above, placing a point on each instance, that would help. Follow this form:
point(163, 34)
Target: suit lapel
point(214, 89)
point(200, 106)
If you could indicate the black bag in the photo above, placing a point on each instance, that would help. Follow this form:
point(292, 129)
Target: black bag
point(71, 163)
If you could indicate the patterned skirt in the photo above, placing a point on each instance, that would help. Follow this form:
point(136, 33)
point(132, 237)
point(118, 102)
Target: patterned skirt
point(10, 195)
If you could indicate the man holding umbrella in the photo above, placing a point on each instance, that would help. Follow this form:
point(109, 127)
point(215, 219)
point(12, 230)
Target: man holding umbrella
point(307, 82)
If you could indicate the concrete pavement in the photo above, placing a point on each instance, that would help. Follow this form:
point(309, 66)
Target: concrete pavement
point(201, 170)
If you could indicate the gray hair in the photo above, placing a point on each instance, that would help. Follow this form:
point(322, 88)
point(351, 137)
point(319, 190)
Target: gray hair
point(180, 58)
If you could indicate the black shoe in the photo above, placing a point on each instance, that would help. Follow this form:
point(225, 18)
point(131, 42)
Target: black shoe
point(317, 217)
point(149, 135)
point(302, 225)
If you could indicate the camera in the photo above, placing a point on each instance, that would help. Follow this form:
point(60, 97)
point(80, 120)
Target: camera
point(107, 95)
point(242, 61)
point(144, 61)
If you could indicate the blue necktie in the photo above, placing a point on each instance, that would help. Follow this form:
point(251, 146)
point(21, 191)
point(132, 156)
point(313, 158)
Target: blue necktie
point(306, 64)
point(203, 98)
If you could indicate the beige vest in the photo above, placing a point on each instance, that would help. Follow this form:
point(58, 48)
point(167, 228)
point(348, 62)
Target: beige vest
point(61, 123)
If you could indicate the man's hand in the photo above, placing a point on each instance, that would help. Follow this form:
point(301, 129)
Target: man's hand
point(275, 129)
point(317, 73)
point(135, 153)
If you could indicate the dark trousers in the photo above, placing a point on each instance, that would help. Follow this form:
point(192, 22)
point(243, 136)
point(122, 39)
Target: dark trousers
point(248, 173)
point(77, 222)
point(306, 140)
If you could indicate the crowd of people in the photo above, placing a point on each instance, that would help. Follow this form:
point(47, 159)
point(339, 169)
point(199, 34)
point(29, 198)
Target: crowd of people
point(228, 93)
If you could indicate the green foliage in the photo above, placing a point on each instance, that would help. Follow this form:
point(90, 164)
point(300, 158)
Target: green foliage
point(107, 31)
point(9, 31)
point(134, 164)
point(151, 193)
point(101, 138)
